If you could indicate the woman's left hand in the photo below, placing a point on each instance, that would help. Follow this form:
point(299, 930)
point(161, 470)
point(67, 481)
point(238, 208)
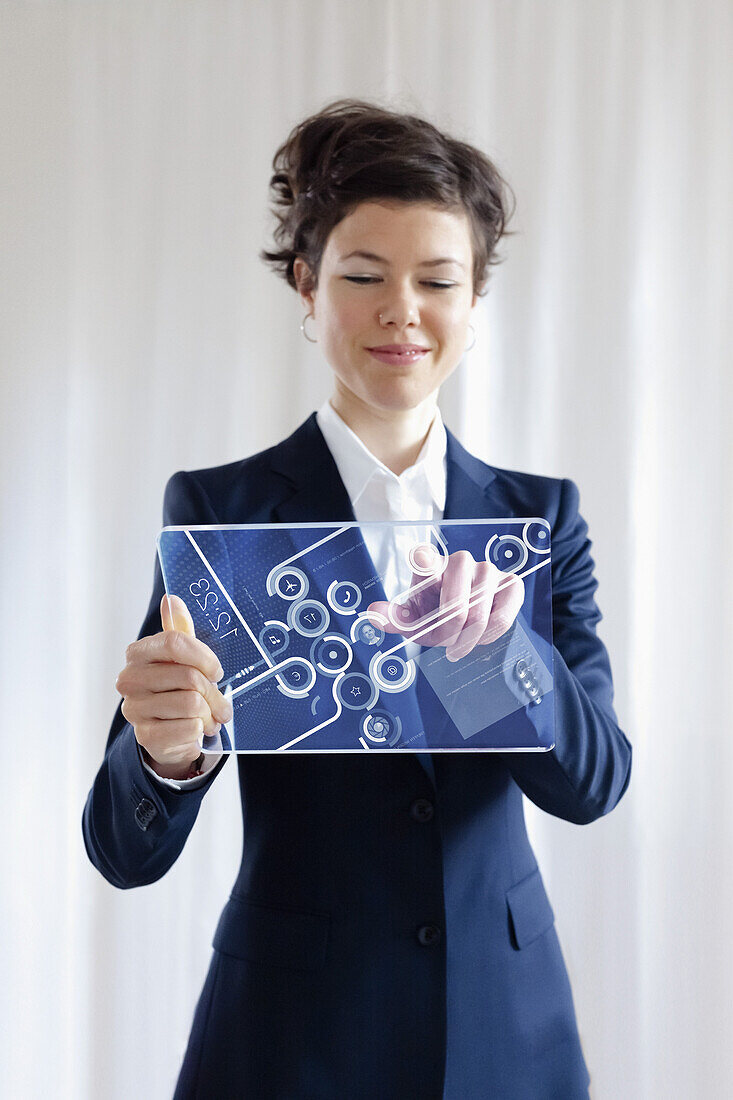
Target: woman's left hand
point(471, 602)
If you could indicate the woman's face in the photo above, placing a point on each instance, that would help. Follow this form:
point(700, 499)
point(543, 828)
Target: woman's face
point(398, 295)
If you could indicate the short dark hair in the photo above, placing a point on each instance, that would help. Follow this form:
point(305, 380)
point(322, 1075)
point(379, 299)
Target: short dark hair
point(353, 151)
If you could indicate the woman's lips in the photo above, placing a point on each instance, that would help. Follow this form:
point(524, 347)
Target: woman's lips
point(397, 359)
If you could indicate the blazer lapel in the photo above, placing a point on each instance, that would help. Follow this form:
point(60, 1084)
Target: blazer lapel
point(470, 490)
point(317, 493)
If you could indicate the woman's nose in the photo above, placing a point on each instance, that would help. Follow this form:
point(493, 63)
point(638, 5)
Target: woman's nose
point(401, 310)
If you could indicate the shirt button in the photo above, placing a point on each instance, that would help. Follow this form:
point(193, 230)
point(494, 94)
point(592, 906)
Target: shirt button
point(428, 934)
point(422, 809)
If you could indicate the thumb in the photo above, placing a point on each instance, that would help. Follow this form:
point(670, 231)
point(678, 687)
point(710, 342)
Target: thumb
point(175, 615)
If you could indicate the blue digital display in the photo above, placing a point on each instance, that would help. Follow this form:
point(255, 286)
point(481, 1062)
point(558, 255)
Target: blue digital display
point(318, 658)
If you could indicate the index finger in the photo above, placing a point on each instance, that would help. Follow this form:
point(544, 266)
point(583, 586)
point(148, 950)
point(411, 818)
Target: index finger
point(178, 647)
point(455, 594)
point(404, 613)
point(420, 599)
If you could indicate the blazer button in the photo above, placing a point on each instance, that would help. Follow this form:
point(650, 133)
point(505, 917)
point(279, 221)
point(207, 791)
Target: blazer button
point(145, 811)
point(428, 934)
point(422, 809)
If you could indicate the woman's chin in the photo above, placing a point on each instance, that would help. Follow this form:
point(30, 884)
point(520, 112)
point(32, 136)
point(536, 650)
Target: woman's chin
point(403, 405)
point(404, 396)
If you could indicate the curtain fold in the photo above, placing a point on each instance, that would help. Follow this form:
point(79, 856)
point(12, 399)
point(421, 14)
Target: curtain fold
point(140, 334)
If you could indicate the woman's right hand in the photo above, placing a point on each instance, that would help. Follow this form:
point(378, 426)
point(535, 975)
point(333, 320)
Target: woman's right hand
point(169, 692)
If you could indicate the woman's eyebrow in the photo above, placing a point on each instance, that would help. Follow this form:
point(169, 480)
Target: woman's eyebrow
point(381, 260)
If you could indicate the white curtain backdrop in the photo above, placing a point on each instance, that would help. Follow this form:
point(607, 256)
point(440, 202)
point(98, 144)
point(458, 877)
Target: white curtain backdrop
point(140, 334)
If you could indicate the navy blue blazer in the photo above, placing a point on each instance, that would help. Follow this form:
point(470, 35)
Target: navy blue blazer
point(384, 939)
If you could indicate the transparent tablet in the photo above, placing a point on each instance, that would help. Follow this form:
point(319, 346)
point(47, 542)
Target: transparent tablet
point(323, 653)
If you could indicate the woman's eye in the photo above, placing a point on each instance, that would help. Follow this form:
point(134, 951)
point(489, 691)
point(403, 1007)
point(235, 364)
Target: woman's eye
point(364, 279)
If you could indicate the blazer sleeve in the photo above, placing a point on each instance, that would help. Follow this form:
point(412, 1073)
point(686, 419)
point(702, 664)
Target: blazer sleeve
point(134, 827)
point(588, 770)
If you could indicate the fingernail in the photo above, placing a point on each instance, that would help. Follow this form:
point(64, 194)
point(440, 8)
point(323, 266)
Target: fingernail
point(220, 674)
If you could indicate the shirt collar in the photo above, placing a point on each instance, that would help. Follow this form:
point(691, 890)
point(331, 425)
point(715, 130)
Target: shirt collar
point(357, 465)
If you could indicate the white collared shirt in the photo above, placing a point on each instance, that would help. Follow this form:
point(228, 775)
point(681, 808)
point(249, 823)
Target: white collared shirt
point(376, 493)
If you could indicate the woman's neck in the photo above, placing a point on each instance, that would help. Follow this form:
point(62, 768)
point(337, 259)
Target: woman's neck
point(394, 436)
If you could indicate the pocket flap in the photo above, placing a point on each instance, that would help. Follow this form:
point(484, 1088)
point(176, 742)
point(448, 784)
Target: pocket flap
point(276, 936)
point(530, 910)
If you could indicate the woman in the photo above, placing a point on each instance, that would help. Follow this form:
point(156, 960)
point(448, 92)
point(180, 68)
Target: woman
point(388, 934)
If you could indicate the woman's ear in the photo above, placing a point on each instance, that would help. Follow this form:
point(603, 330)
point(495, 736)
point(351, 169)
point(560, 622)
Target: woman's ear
point(302, 276)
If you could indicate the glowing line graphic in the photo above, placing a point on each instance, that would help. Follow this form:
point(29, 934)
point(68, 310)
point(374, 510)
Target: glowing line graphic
point(300, 554)
point(235, 609)
point(401, 645)
point(455, 604)
point(339, 711)
point(274, 671)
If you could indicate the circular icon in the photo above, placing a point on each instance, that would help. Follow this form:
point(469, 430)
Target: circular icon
point(298, 677)
point(390, 672)
point(369, 634)
point(525, 677)
point(291, 583)
point(537, 536)
point(506, 552)
point(294, 676)
point(309, 617)
point(356, 691)
point(344, 596)
point(364, 629)
point(331, 654)
point(274, 638)
point(381, 727)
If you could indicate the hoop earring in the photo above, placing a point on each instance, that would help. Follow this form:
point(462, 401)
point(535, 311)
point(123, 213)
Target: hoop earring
point(302, 329)
point(474, 339)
